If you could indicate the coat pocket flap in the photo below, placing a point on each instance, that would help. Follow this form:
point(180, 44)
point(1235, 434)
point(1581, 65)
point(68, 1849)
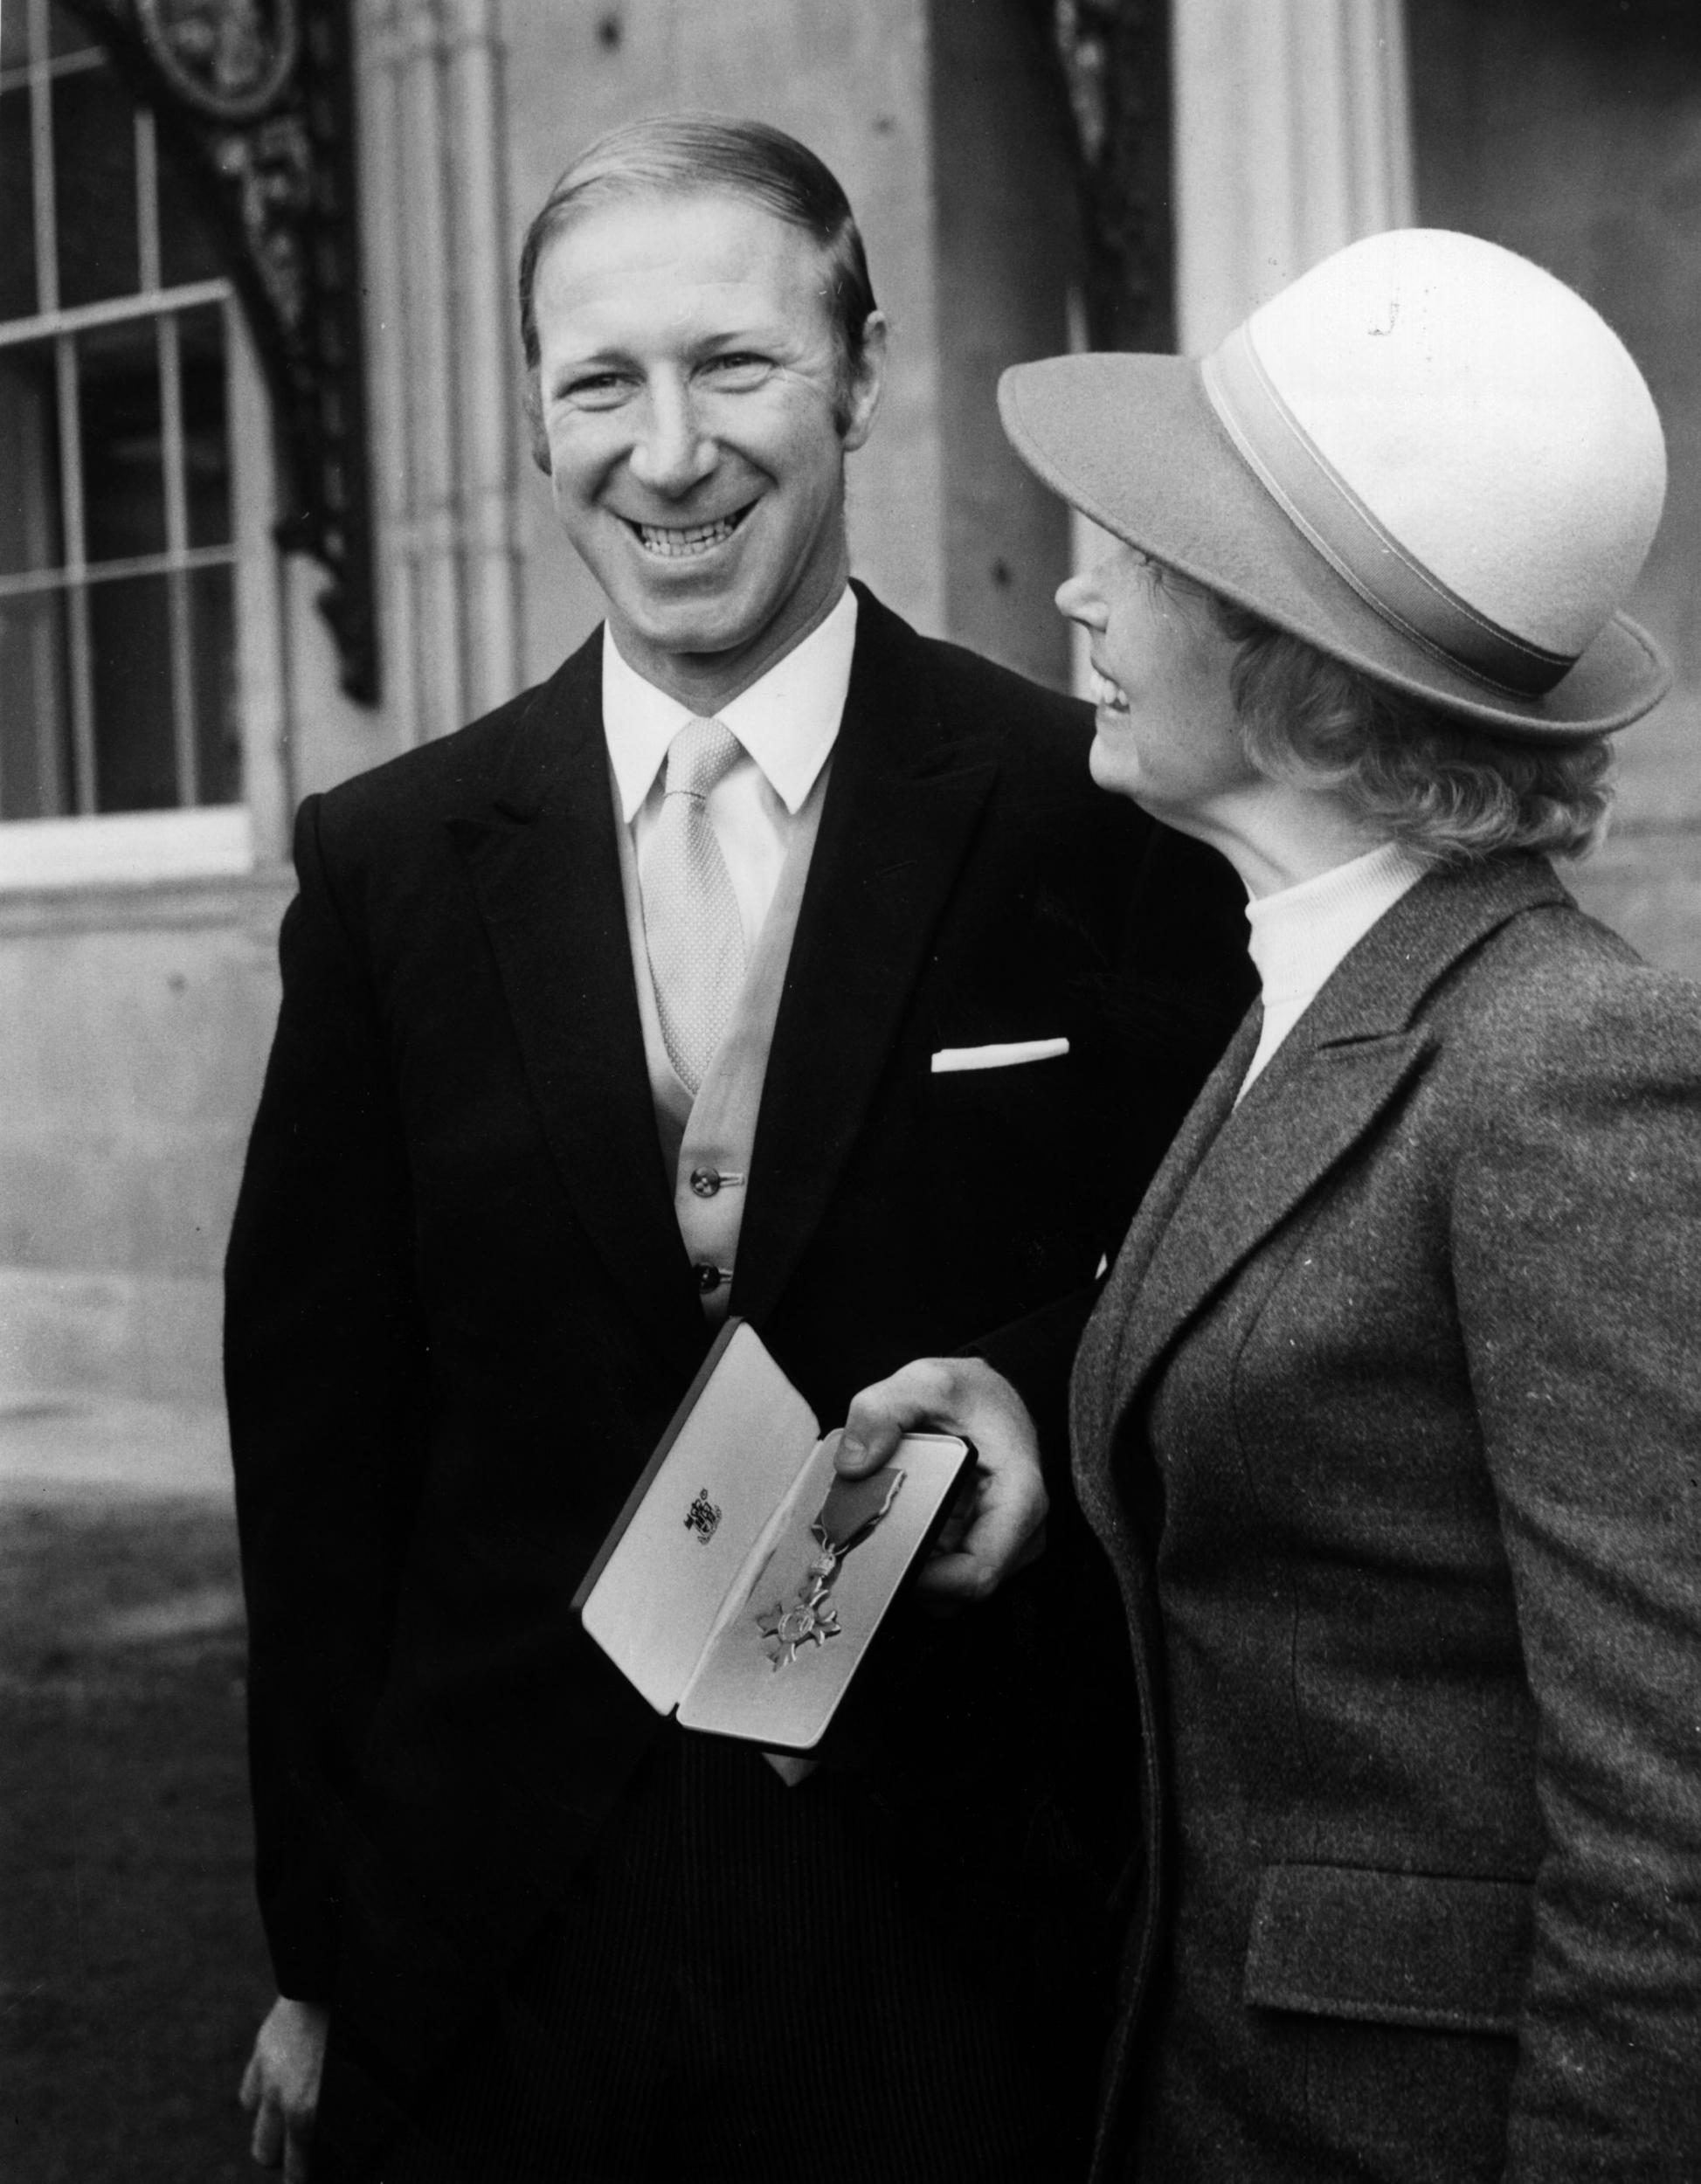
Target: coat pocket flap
point(1390, 1948)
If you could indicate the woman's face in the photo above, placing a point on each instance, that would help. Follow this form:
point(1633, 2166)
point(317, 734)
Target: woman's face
point(1167, 734)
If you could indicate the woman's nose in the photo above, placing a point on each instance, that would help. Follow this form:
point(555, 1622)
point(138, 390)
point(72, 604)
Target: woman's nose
point(1077, 598)
point(672, 452)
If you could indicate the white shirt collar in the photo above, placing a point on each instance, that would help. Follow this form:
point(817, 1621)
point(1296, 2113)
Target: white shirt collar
point(787, 720)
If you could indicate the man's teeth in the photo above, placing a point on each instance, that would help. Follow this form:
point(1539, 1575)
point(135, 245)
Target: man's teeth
point(1108, 693)
point(674, 541)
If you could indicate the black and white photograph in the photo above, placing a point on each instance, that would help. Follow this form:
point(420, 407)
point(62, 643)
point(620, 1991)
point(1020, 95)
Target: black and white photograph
point(850, 1091)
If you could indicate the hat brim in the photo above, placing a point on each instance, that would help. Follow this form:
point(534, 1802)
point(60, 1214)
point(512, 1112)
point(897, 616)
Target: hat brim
point(1133, 442)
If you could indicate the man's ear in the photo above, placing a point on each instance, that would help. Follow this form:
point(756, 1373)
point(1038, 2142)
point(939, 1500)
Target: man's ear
point(867, 382)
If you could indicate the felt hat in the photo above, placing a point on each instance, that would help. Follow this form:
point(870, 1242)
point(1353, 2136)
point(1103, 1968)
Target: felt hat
point(1426, 457)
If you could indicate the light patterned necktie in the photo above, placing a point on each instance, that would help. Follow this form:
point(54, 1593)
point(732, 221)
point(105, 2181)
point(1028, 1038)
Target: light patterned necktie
point(691, 922)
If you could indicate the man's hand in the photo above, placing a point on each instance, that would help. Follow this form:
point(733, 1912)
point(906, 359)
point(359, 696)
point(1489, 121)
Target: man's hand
point(280, 2085)
point(1001, 1525)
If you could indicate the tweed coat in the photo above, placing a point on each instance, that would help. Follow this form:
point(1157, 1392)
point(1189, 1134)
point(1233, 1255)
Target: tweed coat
point(1390, 1422)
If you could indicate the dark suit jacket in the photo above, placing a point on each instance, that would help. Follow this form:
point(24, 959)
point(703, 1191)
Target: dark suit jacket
point(460, 1311)
point(1389, 1419)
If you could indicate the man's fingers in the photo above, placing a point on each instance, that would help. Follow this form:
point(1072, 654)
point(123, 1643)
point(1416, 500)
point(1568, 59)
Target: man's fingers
point(267, 2144)
point(296, 2153)
point(248, 2093)
point(921, 1394)
point(996, 1545)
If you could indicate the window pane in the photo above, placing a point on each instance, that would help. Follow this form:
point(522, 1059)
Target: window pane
point(131, 646)
point(206, 448)
point(94, 170)
point(66, 34)
point(187, 249)
point(31, 533)
point(14, 34)
point(18, 208)
point(123, 447)
point(212, 635)
point(35, 733)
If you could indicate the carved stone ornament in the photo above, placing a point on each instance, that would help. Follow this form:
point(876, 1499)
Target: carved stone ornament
point(1109, 62)
point(227, 60)
point(254, 99)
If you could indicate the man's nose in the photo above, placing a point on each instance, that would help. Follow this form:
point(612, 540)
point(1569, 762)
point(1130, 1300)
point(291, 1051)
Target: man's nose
point(672, 451)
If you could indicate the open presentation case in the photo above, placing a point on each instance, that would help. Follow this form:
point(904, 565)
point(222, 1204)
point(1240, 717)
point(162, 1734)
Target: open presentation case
point(744, 1582)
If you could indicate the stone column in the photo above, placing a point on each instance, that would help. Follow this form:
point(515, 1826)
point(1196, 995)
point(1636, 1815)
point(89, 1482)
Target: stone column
point(438, 249)
point(1292, 137)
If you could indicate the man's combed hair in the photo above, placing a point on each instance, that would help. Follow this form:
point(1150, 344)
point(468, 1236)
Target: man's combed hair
point(677, 155)
point(1449, 791)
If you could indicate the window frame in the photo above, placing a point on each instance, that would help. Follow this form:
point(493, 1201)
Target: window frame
point(89, 846)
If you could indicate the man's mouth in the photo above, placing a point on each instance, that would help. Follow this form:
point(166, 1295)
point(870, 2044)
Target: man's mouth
point(681, 541)
point(1107, 695)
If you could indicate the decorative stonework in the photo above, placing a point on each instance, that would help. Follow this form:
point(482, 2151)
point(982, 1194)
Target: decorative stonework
point(225, 59)
point(1112, 59)
point(254, 99)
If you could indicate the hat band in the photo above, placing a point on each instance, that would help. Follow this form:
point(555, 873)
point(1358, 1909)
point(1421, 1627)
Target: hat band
point(1321, 504)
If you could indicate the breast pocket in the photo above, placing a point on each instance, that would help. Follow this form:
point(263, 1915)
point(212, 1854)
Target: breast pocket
point(1016, 1159)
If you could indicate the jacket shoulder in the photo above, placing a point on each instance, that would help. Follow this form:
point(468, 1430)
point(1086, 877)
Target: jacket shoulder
point(433, 778)
point(981, 693)
point(1553, 996)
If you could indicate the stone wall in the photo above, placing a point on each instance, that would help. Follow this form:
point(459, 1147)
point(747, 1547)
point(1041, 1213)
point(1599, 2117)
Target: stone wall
point(1573, 134)
point(138, 1022)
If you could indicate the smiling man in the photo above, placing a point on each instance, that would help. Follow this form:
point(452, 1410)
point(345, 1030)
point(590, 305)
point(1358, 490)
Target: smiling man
point(770, 958)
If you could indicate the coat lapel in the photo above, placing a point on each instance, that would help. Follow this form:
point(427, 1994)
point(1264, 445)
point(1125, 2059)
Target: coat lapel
point(545, 866)
point(900, 813)
point(1353, 1050)
point(1107, 1331)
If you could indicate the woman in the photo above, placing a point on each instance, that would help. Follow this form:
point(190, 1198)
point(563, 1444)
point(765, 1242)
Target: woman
point(1389, 1417)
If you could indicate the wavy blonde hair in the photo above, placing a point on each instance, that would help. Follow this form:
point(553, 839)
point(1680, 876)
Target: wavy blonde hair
point(1447, 790)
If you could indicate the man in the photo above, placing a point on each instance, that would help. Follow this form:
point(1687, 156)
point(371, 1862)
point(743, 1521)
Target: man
point(640, 1001)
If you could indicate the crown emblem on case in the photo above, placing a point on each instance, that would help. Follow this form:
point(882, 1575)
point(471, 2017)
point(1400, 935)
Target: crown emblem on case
point(703, 1517)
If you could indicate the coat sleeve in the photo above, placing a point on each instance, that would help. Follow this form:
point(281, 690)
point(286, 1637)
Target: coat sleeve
point(326, 1370)
point(1577, 1258)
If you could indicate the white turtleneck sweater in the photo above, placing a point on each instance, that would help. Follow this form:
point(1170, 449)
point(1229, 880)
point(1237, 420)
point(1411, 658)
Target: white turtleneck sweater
point(1299, 936)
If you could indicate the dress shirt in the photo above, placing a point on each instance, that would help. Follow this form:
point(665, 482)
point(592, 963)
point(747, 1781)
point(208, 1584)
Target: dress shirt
point(786, 722)
point(1300, 935)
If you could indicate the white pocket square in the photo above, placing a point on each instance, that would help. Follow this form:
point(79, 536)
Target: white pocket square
point(1003, 1055)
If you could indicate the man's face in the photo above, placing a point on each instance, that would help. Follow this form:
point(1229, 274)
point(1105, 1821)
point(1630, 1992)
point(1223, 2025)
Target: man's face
point(691, 397)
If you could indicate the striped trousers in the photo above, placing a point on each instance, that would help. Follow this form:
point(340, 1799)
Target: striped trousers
point(740, 1987)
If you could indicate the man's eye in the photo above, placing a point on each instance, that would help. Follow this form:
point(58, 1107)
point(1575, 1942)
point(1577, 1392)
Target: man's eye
point(592, 390)
point(739, 368)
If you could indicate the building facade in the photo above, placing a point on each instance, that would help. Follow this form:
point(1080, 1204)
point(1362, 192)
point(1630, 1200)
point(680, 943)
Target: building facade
point(1028, 173)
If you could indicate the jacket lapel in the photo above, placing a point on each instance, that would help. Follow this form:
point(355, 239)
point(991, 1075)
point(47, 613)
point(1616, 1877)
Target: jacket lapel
point(545, 866)
point(1107, 1331)
point(1334, 1074)
point(901, 809)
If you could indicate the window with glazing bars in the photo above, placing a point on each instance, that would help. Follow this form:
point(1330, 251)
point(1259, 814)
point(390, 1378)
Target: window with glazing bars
point(117, 566)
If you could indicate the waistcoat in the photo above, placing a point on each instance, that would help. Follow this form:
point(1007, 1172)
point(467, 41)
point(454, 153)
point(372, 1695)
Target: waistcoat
point(706, 1141)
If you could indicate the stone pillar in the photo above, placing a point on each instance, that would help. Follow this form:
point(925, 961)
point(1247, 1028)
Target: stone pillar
point(1292, 137)
point(433, 189)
